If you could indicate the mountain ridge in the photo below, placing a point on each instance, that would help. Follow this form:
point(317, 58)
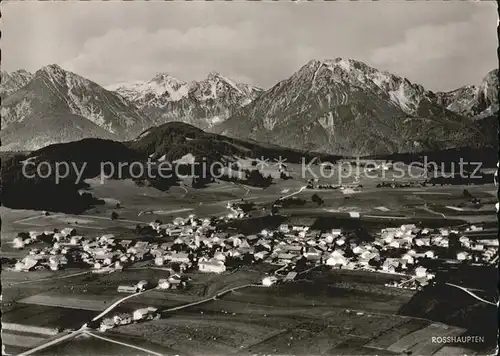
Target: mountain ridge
point(14, 81)
point(202, 103)
point(53, 91)
point(340, 106)
point(347, 107)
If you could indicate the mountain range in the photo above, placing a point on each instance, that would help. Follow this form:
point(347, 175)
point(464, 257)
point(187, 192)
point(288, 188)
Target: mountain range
point(339, 106)
point(203, 104)
point(347, 107)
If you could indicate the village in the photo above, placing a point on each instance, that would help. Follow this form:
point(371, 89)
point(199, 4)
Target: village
point(194, 243)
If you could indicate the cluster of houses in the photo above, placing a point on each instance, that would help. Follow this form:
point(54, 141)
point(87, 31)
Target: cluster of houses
point(199, 244)
point(106, 253)
point(142, 314)
point(52, 257)
point(174, 281)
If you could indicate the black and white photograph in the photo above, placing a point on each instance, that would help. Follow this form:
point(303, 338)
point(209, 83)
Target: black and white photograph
point(226, 178)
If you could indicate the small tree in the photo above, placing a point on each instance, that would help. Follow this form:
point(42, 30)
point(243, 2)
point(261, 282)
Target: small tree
point(316, 199)
point(285, 176)
point(176, 267)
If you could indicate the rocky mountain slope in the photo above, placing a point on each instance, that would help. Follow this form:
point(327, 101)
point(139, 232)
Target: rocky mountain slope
point(338, 106)
point(54, 92)
point(474, 101)
point(203, 104)
point(347, 107)
point(13, 81)
point(48, 130)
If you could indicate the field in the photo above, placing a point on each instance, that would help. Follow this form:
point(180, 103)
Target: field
point(145, 204)
point(47, 316)
point(276, 320)
point(325, 312)
point(86, 302)
point(107, 344)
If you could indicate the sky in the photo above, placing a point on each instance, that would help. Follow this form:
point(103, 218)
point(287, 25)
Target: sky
point(440, 45)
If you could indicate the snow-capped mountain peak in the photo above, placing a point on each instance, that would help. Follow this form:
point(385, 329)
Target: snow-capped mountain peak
point(346, 106)
point(167, 80)
point(213, 75)
point(60, 77)
point(351, 75)
point(52, 68)
point(202, 103)
point(474, 101)
point(161, 88)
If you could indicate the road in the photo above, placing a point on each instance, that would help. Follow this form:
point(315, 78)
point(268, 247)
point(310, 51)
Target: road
point(247, 189)
point(25, 221)
point(52, 342)
point(115, 304)
point(164, 212)
point(106, 218)
point(218, 295)
point(391, 217)
point(429, 210)
point(471, 294)
point(49, 279)
point(149, 352)
point(84, 328)
point(185, 191)
point(294, 193)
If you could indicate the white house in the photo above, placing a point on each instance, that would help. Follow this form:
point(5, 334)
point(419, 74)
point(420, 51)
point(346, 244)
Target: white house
point(429, 254)
point(68, 231)
point(18, 243)
point(336, 259)
point(328, 239)
point(141, 285)
point(269, 281)
point(163, 284)
point(106, 324)
point(357, 250)
point(220, 256)
point(394, 244)
point(177, 257)
point(407, 258)
point(260, 255)
point(211, 266)
point(461, 256)
point(420, 272)
point(143, 313)
point(58, 236)
point(336, 232)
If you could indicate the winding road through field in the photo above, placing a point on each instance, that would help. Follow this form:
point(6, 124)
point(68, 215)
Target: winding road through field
point(149, 352)
point(84, 329)
point(49, 278)
point(294, 193)
point(52, 342)
point(115, 304)
point(471, 294)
